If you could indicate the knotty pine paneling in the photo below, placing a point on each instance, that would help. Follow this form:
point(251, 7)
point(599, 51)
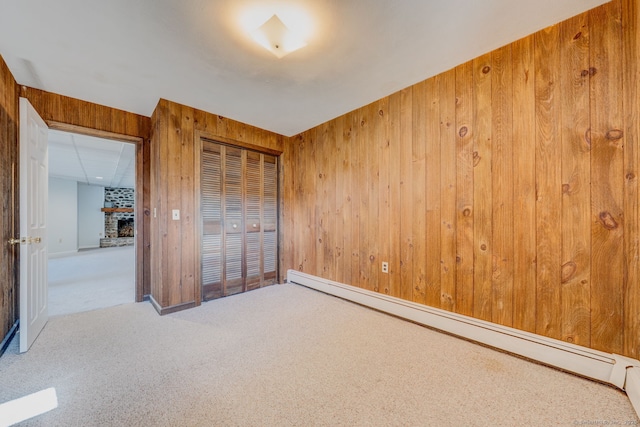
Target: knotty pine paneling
point(175, 266)
point(76, 115)
point(9, 227)
point(575, 292)
point(505, 189)
point(607, 177)
point(631, 111)
point(524, 180)
point(549, 228)
point(63, 109)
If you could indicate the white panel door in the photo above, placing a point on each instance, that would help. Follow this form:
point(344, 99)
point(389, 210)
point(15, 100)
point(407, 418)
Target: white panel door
point(33, 224)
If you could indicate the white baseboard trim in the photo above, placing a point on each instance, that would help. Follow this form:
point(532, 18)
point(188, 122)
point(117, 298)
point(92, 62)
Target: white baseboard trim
point(632, 387)
point(613, 369)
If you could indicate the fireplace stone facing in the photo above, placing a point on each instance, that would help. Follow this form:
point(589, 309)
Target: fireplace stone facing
point(119, 226)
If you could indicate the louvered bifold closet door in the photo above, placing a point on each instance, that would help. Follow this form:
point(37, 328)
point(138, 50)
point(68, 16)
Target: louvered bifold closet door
point(239, 220)
point(269, 219)
point(233, 194)
point(211, 222)
point(254, 222)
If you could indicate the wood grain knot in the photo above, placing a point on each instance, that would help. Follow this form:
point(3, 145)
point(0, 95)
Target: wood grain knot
point(319, 240)
point(466, 212)
point(348, 198)
point(614, 134)
point(578, 35)
point(363, 122)
point(569, 339)
point(372, 258)
point(476, 158)
point(568, 270)
point(220, 117)
point(483, 247)
point(566, 189)
point(320, 175)
point(381, 113)
point(592, 71)
point(486, 69)
point(584, 73)
point(587, 137)
point(463, 131)
point(147, 212)
point(458, 259)
point(300, 267)
point(630, 176)
point(608, 221)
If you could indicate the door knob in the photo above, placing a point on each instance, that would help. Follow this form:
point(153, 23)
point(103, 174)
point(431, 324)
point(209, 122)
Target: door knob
point(235, 225)
point(14, 241)
point(255, 225)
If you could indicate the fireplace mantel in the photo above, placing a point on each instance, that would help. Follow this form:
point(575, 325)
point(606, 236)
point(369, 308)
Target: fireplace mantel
point(110, 210)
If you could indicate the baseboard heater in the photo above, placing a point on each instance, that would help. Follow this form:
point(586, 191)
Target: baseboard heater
point(619, 371)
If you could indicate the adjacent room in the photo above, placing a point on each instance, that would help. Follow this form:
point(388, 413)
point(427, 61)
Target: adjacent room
point(320, 213)
point(91, 220)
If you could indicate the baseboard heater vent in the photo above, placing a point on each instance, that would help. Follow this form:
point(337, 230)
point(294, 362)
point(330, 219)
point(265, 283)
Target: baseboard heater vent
point(620, 371)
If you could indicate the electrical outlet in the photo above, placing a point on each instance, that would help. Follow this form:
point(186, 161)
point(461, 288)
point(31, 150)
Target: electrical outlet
point(175, 214)
point(385, 267)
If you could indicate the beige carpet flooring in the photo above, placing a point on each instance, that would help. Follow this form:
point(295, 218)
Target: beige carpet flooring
point(288, 356)
point(91, 279)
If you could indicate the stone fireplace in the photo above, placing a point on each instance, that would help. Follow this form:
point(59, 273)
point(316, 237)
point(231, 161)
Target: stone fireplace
point(119, 226)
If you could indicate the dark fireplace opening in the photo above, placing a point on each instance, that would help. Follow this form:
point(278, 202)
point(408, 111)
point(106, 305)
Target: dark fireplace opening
point(125, 227)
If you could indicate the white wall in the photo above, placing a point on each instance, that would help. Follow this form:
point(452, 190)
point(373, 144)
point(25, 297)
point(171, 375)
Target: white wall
point(90, 218)
point(63, 216)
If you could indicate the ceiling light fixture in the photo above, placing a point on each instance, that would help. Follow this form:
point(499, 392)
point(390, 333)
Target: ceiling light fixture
point(274, 36)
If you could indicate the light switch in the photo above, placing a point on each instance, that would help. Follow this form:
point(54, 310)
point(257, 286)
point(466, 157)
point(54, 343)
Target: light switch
point(175, 214)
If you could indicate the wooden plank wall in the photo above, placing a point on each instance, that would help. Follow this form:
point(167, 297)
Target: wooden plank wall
point(175, 268)
point(89, 116)
point(9, 227)
point(505, 189)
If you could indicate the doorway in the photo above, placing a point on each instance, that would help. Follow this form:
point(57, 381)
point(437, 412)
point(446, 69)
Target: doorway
point(92, 203)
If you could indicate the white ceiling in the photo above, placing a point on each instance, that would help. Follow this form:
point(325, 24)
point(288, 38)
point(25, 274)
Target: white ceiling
point(91, 160)
point(128, 54)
